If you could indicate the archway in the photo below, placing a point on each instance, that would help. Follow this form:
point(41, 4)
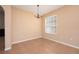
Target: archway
point(2, 29)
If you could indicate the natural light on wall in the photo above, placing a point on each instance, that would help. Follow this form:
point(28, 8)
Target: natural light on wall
point(50, 24)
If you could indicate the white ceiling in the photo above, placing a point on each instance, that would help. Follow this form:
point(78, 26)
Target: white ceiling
point(43, 9)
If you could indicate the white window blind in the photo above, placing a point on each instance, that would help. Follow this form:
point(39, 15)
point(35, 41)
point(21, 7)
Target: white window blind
point(50, 24)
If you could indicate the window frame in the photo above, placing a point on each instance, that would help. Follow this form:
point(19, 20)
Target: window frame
point(52, 25)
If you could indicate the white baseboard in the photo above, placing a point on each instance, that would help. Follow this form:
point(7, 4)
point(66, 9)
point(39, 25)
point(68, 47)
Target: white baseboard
point(62, 42)
point(26, 40)
point(6, 49)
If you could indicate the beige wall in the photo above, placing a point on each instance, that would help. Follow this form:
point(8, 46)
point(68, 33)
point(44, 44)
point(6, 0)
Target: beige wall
point(24, 25)
point(20, 25)
point(8, 32)
point(67, 29)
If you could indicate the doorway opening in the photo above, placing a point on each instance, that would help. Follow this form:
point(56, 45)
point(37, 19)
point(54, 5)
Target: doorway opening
point(2, 29)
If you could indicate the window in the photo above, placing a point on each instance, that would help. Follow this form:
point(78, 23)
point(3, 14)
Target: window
point(50, 24)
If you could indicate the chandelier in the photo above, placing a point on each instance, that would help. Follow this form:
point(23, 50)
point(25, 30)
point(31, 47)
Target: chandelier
point(37, 15)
